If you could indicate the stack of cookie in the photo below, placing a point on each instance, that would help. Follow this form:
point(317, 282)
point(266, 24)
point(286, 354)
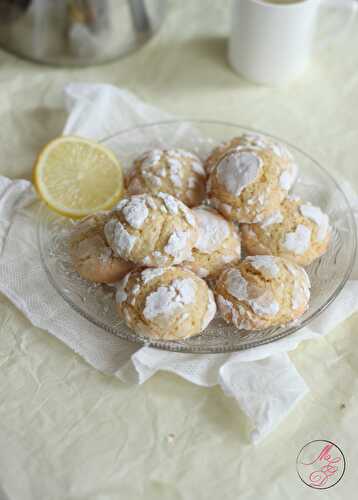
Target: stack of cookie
point(175, 241)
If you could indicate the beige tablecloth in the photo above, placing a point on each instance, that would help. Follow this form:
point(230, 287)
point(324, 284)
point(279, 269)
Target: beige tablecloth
point(66, 431)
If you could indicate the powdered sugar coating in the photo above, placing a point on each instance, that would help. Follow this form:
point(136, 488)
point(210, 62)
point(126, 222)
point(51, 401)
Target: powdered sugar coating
point(184, 153)
point(316, 215)
point(150, 202)
point(173, 171)
point(263, 142)
point(210, 311)
point(142, 233)
point(121, 294)
point(151, 273)
point(299, 240)
point(175, 206)
point(237, 170)
point(150, 158)
point(153, 180)
point(231, 313)
point(135, 211)
point(229, 258)
point(197, 167)
point(263, 304)
point(275, 296)
point(287, 179)
point(121, 241)
point(299, 231)
point(121, 204)
point(262, 198)
point(227, 310)
point(236, 284)
point(166, 300)
point(202, 272)
point(135, 289)
point(301, 287)
point(159, 258)
point(171, 303)
point(226, 306)
point(177, 246)
point(293, 197)
point(213, 230)
point(265, 263)
point(218, 243)
point(171, 203)
point(274, 218)
point(189, 217)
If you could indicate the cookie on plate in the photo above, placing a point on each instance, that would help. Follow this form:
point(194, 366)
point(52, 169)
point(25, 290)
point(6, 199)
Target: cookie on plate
point(152, 230)
point(168, 303)
point(298, 231)
point(262, 291)
point(218, 243)
point(91, 255)
point(289, 172)
point(174, 171)
point(245, 184)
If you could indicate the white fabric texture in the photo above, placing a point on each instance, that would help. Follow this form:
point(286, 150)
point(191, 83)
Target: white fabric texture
point(263, 380)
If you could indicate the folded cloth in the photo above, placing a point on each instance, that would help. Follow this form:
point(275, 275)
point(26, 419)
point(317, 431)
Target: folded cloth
point(263, 380)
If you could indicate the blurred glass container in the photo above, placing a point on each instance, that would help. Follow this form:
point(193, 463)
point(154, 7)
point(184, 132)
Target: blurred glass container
point(77, 32)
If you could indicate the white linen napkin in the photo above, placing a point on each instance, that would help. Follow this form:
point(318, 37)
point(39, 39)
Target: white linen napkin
point(263, 380)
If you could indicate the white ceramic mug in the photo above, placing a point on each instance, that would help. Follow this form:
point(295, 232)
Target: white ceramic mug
point(271, 40)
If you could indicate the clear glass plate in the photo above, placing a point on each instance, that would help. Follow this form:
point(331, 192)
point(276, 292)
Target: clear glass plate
point(96, 302)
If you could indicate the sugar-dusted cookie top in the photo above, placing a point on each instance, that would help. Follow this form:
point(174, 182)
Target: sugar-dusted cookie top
point(165, 303)
point(218, 243)
point(152, 230)
point(245, 184)
point(174, 171)
point(262, 291)
point(296, 230)
point(290, 170)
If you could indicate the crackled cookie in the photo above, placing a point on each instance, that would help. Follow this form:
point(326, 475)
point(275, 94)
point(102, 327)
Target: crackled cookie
point(91, 255)
point(174, 171)
point(297, 230)
point(218, 243)
point(152, 230)
point(289, 166)
point(262, 291)
point(165, 303)
point(245, 184)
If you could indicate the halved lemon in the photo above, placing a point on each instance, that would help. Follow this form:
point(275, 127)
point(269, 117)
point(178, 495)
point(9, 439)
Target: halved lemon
point(77, 176)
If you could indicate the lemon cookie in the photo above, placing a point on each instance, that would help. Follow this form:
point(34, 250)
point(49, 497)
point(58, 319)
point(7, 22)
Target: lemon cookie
point(297, 230)
point(174, 171)
point(261, 292)
point(218, 243)
point(289, 165)
point(92, 257)
point(165, 303)
point(152, 230)
point(245, 184)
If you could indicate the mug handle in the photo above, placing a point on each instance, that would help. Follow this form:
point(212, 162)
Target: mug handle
point(351, 6)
